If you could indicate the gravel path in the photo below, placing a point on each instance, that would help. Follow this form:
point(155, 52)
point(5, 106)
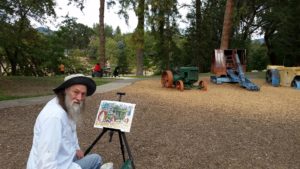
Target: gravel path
point(224, 127)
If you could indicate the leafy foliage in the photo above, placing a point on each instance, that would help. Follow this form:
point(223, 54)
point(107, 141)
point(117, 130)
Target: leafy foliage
point(156, 44)
point(257, 57)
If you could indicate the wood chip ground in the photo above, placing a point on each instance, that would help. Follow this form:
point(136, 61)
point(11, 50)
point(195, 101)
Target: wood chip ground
point(224, 127)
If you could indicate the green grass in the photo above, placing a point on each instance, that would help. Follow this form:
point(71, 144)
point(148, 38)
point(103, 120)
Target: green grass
point(15, 87)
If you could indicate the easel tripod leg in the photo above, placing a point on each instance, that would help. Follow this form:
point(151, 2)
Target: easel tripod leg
point(122, 145)
point(96, 140)
point(127, 148)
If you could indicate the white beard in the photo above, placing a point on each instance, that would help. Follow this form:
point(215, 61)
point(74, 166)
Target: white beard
point(73, 109)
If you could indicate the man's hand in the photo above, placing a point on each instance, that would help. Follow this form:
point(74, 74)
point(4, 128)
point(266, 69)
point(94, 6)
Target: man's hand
point(79, 154)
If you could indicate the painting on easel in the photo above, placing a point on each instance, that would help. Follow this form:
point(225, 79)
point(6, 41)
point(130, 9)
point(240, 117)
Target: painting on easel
point(115, 115)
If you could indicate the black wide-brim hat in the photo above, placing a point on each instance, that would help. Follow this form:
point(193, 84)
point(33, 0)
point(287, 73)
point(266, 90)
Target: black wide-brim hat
point(77, 79)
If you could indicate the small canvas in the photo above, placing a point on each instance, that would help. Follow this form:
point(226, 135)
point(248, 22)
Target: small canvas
point(115, 115)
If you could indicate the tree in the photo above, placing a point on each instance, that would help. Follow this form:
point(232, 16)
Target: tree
point(199, 55)
point(102, 58)
point(139, 37)
point(203, 34)
point(277, 22)
point(257, 58)
point(15, 26)
point(93, 46)
point(122, 59)
point(74, 35)
point(287, 45)
point(196, 56)
point(162, 19)
point(227, 26)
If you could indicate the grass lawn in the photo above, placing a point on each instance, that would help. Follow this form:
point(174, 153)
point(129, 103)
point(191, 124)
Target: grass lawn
point(14, 87)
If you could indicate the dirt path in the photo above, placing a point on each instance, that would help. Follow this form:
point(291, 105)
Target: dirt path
point(225, 127)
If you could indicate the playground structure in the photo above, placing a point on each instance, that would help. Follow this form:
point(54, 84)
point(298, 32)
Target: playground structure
point(183, 78)
point(283, 76)
point(229, 66)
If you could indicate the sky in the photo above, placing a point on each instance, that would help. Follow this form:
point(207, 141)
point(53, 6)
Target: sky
point(90, 15)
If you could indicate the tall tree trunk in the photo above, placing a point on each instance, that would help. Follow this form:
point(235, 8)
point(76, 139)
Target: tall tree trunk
point(12, 58)
point(269, 31)
point(270, 53)
point(199, 56)
point(140, 38)
point(102, 59)
point(227, 25)
point(161, 38)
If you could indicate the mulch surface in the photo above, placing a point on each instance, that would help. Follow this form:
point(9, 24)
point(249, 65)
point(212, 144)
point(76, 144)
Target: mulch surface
point(224, 127)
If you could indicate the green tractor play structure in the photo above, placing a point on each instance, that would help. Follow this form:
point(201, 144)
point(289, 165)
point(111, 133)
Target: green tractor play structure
point(183, 78)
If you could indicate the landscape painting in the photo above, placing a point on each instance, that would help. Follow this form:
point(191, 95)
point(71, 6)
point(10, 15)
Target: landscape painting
point(115, 115)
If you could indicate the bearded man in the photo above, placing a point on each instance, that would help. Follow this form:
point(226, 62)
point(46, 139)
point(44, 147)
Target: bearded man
point(55, 143)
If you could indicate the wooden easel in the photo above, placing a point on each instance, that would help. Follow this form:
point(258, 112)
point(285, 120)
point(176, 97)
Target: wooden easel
point(122, 138)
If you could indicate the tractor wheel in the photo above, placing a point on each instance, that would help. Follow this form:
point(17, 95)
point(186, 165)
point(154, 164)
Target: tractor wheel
point(203, 85)
point(167, 79)
point(295, 84)
point(180, 85)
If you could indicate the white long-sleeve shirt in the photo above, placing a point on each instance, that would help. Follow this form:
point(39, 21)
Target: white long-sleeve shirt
point(55, 139)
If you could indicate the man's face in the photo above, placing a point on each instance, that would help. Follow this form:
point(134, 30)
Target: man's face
point(74, 99)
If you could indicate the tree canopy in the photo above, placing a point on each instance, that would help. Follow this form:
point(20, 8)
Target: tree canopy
point(157, 42)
